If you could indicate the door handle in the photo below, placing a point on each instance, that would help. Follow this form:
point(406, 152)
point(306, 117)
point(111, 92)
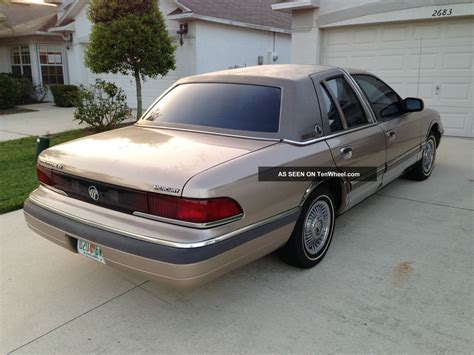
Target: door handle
point(346, 152)
point(390, 135)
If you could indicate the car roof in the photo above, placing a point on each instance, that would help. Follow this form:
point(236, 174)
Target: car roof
point(299, 110)
point(287, 72)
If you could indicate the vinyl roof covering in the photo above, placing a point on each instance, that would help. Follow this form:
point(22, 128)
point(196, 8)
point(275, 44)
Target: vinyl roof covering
point(284, 72)
point(299, 105)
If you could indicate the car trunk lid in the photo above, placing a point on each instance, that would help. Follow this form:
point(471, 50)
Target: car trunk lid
point(147, 159)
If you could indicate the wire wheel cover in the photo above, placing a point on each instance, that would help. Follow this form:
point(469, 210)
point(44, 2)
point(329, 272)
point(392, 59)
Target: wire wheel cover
point(317, 226)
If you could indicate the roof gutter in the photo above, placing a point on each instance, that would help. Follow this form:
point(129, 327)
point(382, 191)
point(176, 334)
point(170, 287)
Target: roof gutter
point(296, 5)
point(193, 16)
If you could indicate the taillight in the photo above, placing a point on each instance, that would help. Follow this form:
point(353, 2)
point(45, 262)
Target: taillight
point(192, 210)
point(45, 175)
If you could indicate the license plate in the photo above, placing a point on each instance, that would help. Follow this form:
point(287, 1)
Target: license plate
point(91, 250)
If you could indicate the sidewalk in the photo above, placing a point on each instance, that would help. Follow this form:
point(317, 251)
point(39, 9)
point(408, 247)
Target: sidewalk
point(48, 119)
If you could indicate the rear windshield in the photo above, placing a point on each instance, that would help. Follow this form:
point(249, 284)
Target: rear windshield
point(218, 105)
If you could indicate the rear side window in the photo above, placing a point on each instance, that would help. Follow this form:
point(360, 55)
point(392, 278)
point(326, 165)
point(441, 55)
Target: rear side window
point(335, 123)
point(220, 105)
point(347, 99)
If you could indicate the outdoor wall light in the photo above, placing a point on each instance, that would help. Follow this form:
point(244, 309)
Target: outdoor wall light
point(183, 29)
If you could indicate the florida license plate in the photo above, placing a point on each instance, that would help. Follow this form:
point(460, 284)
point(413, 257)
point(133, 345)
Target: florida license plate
point(91, 250)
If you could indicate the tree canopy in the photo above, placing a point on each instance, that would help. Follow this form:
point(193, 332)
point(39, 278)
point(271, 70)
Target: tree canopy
point(129, 37)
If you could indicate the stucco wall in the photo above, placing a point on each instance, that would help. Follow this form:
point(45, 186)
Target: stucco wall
point(207, 47)
point(327, 6)
point(152, 88)
point(222, 46)
point(4, 60)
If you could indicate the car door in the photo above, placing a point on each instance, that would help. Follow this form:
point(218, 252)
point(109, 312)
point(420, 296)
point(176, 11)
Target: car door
point(353, 135)
point(402, 130)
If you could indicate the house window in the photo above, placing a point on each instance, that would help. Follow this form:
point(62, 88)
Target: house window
point(51, 64)
point(21, 61)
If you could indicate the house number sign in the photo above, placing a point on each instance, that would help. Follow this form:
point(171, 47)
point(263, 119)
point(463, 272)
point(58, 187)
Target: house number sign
point(442, 12)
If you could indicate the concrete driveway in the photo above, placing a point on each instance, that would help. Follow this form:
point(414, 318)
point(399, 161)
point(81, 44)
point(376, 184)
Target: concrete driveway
point(47, 119)
point(397, 278)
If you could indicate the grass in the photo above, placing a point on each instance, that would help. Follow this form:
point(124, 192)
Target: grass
point(11, 111)
point(18, 167)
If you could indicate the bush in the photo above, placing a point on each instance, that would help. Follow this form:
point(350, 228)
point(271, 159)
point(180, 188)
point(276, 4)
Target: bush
point(64, 95)
point(102, 107)
point(27, 90)
point(9, 91)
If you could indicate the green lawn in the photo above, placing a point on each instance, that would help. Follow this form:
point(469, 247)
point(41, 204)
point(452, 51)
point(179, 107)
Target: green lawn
point(18, 167)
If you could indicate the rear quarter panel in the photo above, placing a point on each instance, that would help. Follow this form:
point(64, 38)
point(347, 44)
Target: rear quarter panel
point(238, 179)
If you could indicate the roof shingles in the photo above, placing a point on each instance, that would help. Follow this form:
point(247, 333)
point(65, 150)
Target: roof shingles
point(256, 12)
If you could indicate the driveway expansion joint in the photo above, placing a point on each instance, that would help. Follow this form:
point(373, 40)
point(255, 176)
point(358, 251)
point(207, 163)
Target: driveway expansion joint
point(427, 203)
point(77, 317)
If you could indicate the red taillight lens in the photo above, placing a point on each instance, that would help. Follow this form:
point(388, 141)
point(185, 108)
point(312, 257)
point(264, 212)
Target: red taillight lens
point(45, 175)
point(193, 210)
point(129, 200)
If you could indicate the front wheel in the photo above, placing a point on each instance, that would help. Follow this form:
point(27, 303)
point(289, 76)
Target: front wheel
point(313, 231)
point(424, 167)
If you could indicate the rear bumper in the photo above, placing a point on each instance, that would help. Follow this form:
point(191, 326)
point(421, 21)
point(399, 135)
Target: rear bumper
point(177, 266)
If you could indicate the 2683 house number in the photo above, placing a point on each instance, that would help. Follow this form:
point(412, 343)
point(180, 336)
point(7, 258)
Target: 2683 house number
point(442, 12)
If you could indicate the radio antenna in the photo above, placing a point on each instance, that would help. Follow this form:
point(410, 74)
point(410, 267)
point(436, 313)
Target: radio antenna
point(419, 66)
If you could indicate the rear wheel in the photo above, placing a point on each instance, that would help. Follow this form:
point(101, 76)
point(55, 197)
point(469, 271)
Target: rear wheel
point(424, 167)
point(313, 231)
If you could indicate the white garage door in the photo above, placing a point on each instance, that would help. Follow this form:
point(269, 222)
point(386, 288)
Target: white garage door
point(442, 76)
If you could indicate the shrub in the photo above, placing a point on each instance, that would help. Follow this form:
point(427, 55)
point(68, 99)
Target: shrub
point(9, 91)
point(102, 106)
point(27, 90)
point(64, 95)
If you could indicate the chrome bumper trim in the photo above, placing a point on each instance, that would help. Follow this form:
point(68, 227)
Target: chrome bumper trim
point(190, 224)
point(164, 241)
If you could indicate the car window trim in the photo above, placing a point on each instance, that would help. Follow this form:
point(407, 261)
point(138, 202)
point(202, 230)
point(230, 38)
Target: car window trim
point(330, 136)
point(326, 88)
point(366, 105)
point(359, 98)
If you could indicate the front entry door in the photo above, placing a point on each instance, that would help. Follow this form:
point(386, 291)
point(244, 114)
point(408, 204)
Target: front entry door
point(354, 138)
point(402, 130)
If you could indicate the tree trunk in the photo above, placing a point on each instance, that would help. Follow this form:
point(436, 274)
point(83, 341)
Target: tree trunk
point(138, 85)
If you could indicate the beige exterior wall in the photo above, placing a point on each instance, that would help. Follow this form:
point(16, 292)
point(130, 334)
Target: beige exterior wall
point(4, 60)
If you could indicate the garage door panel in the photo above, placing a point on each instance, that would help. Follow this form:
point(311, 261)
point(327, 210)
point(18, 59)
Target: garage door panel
point(363, 62)
point(457, 123)
point(442, 76)
point(396, 33)
point(460, 28)
point(457, 61)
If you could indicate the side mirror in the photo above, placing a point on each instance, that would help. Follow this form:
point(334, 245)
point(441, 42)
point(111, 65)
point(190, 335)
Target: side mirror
point(411, 104)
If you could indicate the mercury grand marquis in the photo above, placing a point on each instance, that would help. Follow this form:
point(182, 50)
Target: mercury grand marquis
point(178, 197)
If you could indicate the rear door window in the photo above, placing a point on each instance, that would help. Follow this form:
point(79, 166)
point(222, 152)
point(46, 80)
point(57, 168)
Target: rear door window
point(348, 101)
point(220, 105)
point(335, 123)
